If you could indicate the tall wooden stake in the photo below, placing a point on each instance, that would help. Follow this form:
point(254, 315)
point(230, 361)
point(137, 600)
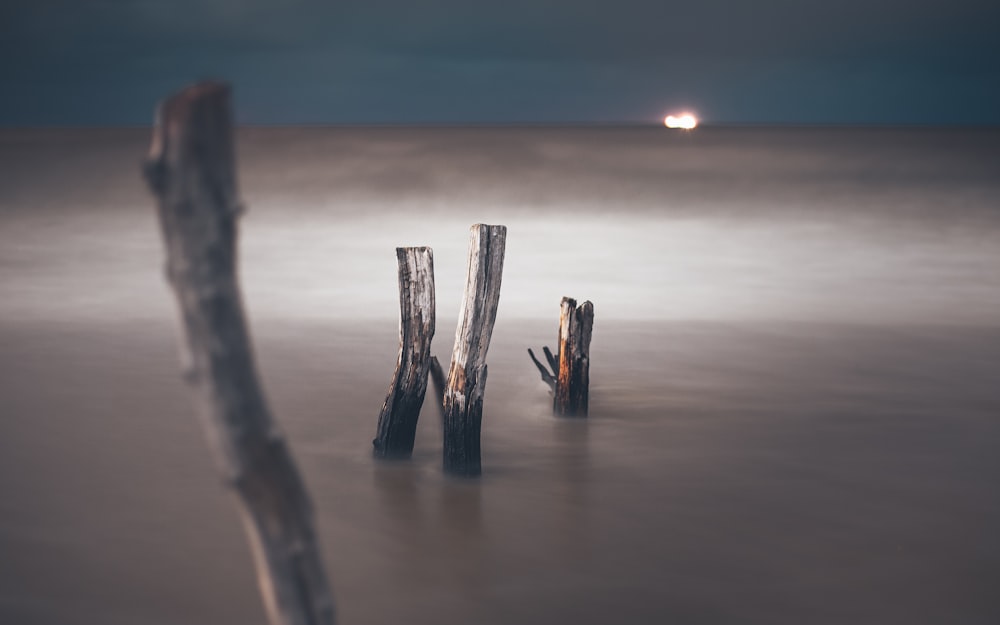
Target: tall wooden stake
point(463, 397)
point(397, 422)
point(191, 172)
point(569, 377)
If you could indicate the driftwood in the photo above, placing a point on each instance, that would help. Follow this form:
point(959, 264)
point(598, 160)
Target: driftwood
point(397, 422)
point(191, 172)
point(568, 374)
point(437, 384)
point(463, 395)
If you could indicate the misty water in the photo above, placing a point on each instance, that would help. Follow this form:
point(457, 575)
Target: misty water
point(795, 407)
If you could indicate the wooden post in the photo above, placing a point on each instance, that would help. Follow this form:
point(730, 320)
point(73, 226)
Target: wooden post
point(397, 422)
point(569, 377)
point(463, 397)
point(191, 172)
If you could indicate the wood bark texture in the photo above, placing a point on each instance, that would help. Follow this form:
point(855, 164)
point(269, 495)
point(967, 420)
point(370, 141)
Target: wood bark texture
point(191, 173)
point(463, 396)
point(569, 377)
point(397, 421)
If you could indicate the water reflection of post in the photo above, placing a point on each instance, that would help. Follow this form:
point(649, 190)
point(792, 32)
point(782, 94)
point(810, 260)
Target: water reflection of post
point(399, 493)
point(406, 531)
point(447, 549)
point(572, 439)
point(463, 542)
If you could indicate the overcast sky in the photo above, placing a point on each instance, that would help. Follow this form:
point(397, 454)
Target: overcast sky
point(101, 62)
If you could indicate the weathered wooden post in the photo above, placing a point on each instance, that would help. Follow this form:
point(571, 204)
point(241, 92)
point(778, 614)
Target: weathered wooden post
point(569, 377)
point(463, 396)
point(397, 422)
point(191, 171)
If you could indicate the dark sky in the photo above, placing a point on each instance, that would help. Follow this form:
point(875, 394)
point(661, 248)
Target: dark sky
point(99, 62)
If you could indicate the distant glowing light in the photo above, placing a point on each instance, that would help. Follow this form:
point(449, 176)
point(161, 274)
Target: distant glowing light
point(686, 121)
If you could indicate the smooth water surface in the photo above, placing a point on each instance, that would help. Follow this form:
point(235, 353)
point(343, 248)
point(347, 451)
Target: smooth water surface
point(795, 413)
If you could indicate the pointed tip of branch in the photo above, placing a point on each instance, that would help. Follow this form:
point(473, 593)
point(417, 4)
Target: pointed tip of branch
point(552, 359)
point(547, 377)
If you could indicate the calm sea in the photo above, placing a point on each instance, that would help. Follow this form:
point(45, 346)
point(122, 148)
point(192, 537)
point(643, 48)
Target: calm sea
point(795, 398)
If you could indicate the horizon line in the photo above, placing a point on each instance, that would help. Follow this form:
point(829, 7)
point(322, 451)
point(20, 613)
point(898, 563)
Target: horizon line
point(530, 124)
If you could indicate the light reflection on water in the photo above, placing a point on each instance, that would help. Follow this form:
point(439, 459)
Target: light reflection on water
point(732, 224)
